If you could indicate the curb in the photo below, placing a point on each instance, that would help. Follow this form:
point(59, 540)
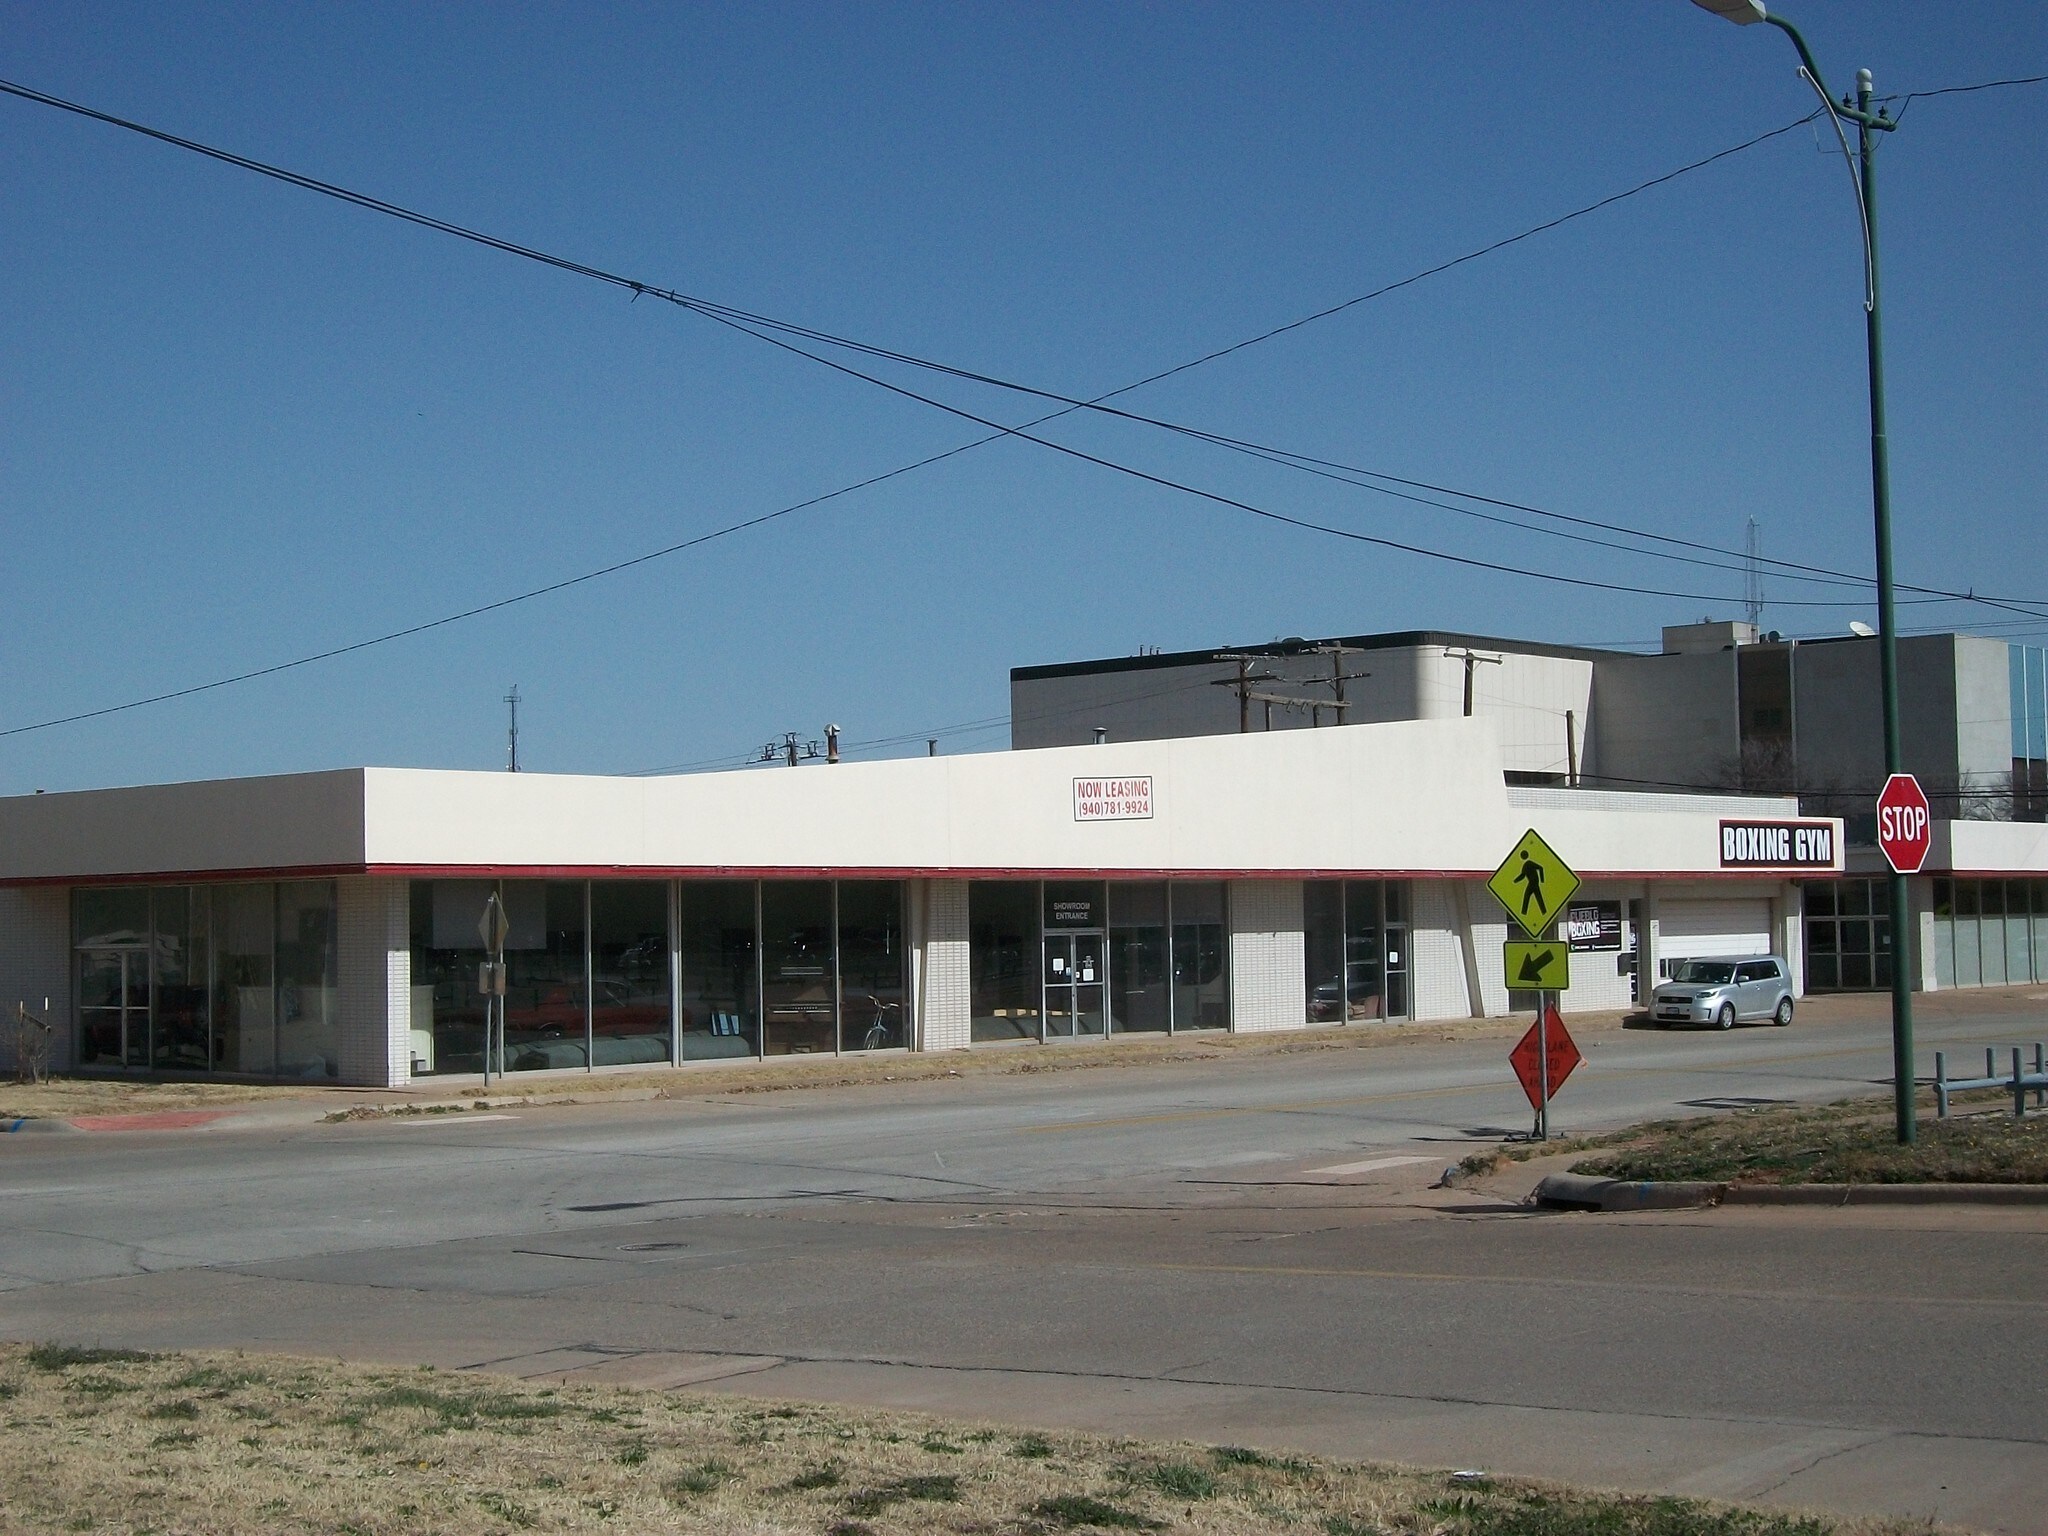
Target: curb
point(1886, 1194)
point(28, 1126)
point(423, 1109)
point(1584, 1192)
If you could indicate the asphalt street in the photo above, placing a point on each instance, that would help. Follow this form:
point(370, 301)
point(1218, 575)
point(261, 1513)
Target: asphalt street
point(1243, 1250)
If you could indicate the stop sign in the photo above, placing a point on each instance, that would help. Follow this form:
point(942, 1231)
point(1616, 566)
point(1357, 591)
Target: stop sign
point(1904, 828)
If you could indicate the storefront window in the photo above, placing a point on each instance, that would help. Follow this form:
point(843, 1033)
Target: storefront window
point(1003, 954)
point(181, 1029)
point(448, 1012)
point(1364, 951)
point(1138, 997)
point(1322, 949)
point(1201, 979)
point(1399, 963)
point(308, 1011)
point(111, 916)
point(871, 978)
point(244, 950)
point(1988, 933)
point(546, 993)
point(1848, 935)
point(629, 992)
point(720, 1018)
point(798, 985)
point(1355, 949)
point(228, 978)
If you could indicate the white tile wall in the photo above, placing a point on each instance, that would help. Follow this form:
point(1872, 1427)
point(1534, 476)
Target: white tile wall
point(1436, 953)
point(375, 962)
point(1488, 932)
point(947, 1004)
point(1267, 987)
point(35, 963)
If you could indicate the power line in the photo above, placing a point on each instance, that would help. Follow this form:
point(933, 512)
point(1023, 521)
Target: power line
point(746, 321)
point(712, 309)
point(1469, 561)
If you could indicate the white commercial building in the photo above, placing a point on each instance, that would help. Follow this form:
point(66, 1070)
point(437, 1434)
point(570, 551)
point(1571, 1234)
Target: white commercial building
point(325, 925)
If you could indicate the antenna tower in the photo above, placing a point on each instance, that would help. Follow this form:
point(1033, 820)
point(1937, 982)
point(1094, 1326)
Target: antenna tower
point(1753, 574)
point(512, 737)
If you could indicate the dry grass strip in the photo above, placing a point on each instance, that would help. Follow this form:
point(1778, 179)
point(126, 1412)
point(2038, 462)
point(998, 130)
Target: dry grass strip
point(212, 1444)
point(62, 1097)
point(1852, 1141)
point(84, 1095)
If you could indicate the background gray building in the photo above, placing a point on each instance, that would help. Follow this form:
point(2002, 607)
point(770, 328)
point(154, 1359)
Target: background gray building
point(1718, 709)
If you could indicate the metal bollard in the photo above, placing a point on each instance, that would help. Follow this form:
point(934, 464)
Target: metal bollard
point(2019, 1087)
point(1941, 1085)
point(2041, 1088)
point(1990, 1061)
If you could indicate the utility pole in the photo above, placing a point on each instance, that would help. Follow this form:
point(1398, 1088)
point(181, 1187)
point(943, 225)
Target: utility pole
point(512, 747)
point(1472, 659)
point(1338, 677)
point(1243, 684)
point(790, 751)
point(1871, 120)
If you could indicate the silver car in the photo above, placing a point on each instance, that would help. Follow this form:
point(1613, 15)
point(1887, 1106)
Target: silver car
point(1719, 992)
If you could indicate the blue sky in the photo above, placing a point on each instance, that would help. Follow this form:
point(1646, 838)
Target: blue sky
point(240, 423)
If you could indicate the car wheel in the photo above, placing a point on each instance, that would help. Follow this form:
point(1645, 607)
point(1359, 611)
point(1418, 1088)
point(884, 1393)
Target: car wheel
point(1784, 1014)
point(1725, 1019)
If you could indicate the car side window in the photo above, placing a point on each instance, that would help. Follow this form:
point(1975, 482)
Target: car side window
point(1750, 973)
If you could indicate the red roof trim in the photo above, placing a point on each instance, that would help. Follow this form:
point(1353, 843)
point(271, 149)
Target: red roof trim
point(846, 872)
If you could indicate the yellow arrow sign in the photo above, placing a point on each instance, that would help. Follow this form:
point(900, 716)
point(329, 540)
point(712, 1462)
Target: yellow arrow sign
point(1533, 883)
point(1544, 965)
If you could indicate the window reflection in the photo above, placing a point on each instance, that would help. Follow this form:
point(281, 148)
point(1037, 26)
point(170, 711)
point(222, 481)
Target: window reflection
point(1355, 949)
point(308, 1014)
point(180, 1029)
point(715, 920)
point(240, 978)
point(546, 995)
point(871, 974)
point(629, 972)
point(1201, 980)
point(1138, 1000)
point(798, 984)
point(1003, 953)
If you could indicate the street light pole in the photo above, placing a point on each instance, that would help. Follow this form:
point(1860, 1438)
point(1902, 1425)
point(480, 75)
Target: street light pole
point(1868, 125)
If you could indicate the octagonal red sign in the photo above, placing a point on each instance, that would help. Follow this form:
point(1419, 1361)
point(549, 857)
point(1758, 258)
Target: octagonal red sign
point(1905, 828)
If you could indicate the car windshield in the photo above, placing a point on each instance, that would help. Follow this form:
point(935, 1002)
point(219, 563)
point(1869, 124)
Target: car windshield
point(1711, 973)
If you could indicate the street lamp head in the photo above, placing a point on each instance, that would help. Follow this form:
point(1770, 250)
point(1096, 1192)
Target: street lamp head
point(1742, 12)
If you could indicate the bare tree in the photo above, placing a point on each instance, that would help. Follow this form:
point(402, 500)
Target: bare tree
point(32, 1035)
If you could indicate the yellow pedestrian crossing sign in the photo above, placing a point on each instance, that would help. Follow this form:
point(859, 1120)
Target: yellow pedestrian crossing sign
point(1533, 883)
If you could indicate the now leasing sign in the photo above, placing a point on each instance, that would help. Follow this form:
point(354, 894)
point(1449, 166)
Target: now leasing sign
point(1113, 799)
point(1777, 845)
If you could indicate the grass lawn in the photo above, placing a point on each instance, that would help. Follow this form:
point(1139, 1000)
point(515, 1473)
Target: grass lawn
point(1851, 1142)
point(115, 1441)
point(62, 1097)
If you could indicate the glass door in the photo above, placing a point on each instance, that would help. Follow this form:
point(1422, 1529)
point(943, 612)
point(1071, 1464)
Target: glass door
point(1075, 985)
point(113, 1008)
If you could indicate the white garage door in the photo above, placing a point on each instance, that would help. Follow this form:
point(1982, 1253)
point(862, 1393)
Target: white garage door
point(1728, 926)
